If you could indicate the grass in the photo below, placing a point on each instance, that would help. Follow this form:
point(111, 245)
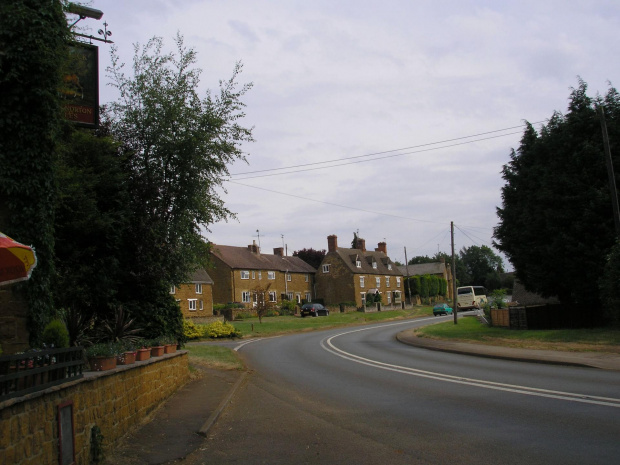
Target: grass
point(272, 326)
point(212, 356)
point(579, 340)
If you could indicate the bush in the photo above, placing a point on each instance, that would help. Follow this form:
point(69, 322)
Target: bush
point(287, 307)
point(219, 329)
point(55, 335)
point(610, 287)
point(191, 330)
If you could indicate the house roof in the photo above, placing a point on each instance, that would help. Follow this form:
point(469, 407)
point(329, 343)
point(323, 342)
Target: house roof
point(201, 276)
point(244, 258)
point(423, 268)
point(367, 258)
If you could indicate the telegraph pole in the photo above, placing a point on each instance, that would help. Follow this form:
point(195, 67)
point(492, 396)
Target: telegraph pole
point(610, 172)
point(408, 280)
point(454, 296)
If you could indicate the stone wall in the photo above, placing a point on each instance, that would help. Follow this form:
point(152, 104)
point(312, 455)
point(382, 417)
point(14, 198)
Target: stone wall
point(115, 401)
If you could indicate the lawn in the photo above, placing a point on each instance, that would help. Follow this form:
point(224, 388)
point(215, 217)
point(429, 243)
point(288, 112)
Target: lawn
point(214, 357)
point(276, 325)
point(469, 329)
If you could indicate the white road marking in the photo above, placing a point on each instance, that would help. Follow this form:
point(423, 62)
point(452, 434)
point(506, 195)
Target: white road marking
point(328, 345)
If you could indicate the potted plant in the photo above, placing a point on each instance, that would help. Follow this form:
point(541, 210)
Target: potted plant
point(128, 353)
point(157, 347)
point(170, 345)
point(143, 352)
point(102, 356)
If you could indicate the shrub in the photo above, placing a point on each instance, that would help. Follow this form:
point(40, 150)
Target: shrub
point(219, 329)
point(287, 307)
point(55, 335)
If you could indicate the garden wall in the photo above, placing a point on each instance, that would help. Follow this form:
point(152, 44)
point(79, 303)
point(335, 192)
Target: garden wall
point(115, 401)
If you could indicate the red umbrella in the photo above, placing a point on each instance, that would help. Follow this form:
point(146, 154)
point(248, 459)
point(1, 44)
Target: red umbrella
point(16, 261)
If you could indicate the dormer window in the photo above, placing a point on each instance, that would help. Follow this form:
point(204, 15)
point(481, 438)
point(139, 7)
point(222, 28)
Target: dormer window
point(389, 266)
point(358, 262)
point(374, 265)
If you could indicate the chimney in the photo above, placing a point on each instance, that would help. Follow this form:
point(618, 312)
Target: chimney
point(381, 247)
point(278, 251)
point(332, 243)
point(361, 244)
point(254, 248)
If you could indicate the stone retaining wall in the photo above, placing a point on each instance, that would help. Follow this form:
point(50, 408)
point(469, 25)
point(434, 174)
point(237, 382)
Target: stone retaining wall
point(115, 401)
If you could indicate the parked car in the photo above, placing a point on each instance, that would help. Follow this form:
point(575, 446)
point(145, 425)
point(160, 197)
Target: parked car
point(442, 309)
point(314, 310)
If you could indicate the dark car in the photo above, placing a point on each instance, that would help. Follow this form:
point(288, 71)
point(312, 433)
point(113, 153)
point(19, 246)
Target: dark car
point(442, 309)
point(314, 310)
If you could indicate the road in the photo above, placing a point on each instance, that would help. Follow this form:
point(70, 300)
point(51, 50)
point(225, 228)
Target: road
point(356, 395)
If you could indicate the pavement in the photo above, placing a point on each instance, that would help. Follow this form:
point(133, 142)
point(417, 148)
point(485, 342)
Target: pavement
point(181, 424)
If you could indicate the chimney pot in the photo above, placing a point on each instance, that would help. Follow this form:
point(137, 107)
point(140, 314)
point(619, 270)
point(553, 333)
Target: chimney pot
point(332, 243)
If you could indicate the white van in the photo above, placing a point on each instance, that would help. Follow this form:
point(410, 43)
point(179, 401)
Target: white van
point(469, 297)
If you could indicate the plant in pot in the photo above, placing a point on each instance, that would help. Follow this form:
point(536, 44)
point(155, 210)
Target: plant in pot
point(102, 356)
point(143, 352)
point(157, 347)
point(170, 345)
point(127, 356)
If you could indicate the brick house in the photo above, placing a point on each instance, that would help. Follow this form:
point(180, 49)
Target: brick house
point(238, 270)
point(348, 275)
point(195, 297)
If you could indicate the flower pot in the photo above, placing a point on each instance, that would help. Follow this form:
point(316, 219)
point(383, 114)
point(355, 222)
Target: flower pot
point(143, 354)
point(126, 358)
point(170, 348)
point(157, 351)
point(102, 363)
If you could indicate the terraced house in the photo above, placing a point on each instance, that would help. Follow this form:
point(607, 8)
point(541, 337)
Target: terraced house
point(349, 275)
point(237, 271)
point(196, 296)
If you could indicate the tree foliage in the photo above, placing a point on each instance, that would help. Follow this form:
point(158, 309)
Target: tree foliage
point(33, 38)
point(177, 147)
point(310, 256)
point(478, 265)
point(556, 224)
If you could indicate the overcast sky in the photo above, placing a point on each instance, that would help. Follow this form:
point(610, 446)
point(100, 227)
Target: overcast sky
point(440, 89)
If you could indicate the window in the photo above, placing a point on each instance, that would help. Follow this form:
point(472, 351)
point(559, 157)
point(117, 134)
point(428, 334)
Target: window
point(307, 278)
point(253, 274)
point(289, 295)
point(271, 275)
point(288, 277)
point(387, 281)
point(245, 296)
point(245, 275)
point(326, 268)
point(362, 281)
point(272, 296)
point(308, 297)
point(397, 282)
point(374, 265)
point(173, 289)
point(198, 288)
point(378, 282)
point(200, 305)
point(260, 275)
point(358, 263)
point(363, 299)
point(298, 297)
point(389, 266)
point(389, 297)
point(192, 305)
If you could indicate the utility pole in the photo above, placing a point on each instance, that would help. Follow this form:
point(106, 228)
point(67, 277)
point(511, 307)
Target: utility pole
point(408, 280)
point(610, 172)
point(454, 296)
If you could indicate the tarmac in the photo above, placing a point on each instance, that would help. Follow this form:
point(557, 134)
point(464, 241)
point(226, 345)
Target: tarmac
point(182, 423)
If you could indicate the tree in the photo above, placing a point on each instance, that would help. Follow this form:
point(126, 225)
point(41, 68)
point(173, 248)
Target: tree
point(178, 147)
point(556, 225)
point(354, 241)
point(477, 264)
point(310, 256)
point(262, 301)
point(33, 38)
point(421, 259)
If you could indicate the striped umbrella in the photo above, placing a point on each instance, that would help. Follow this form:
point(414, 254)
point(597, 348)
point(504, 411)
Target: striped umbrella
point(16, 261)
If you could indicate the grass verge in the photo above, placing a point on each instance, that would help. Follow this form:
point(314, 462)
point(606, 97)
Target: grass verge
point(211, 356)
point(469, 329)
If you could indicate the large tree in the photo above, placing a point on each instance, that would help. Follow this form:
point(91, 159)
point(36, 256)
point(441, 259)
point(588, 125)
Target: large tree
point(556, 224)
point(479, 265)
point(310, 256)
point(178, 147)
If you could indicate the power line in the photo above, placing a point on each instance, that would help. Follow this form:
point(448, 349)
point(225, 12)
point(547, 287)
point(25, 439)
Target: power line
point(332, 165)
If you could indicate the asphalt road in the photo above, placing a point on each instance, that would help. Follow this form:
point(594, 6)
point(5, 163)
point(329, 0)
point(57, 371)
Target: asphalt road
point(356, 395)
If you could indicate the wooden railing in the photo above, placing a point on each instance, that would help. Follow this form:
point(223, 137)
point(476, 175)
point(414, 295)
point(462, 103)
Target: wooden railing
point(33, 371)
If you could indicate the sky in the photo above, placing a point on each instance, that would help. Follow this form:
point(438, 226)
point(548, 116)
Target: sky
point(389, 118)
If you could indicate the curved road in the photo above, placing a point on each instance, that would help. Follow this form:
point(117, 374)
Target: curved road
point(356, 395)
